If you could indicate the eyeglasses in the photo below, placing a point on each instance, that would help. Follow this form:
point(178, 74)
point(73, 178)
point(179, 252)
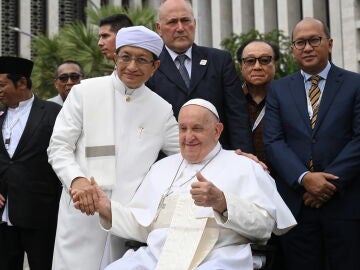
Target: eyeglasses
point(126, 59)
point(313, 42)
point(251, 61)
point(74, 77)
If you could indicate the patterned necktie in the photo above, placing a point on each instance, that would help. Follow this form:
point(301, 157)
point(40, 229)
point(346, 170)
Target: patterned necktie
point(183, 72)
point(314, 95)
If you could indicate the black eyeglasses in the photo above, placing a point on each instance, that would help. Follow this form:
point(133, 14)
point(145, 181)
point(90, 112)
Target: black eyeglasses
point(251, 61)
point(126, 59)
point(300, 44)
point(74, 77)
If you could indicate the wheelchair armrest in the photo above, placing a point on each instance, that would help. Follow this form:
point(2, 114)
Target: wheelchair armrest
point(264, 250)
point(132, 244)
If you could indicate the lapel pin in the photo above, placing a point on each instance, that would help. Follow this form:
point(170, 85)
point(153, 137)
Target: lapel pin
point(203, 62)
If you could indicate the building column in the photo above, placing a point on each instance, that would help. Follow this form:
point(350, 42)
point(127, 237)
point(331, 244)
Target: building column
point(350, 34)
point(52, 17)
point(336, 32)
point(265, 15)
point(289, 15)
point(116, 3)
point(25, 27)
point(221, 15)
point(203, 30)
point(243, 16)
point(314, 9)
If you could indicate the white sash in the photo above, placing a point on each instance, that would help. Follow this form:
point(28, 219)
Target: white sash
point(258, 119)
point(183, 248)
point(99, 120)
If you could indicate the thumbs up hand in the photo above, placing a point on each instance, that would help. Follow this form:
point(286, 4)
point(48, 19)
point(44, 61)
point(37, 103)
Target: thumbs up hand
point(205, 193)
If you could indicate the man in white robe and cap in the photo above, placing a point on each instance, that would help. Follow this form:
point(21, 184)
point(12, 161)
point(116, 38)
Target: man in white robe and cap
point(112, 128)
point(199, 209)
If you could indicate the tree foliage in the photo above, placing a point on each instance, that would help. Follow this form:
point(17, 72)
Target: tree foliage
point(78, 42)
point(287, 63)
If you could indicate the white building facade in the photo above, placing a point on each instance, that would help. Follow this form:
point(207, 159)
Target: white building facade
point(216, 20)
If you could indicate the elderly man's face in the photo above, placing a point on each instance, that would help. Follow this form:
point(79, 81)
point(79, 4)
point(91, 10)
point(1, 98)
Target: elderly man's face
point(199, 132)
point(135, 66)
point(68, 75)
point(176, 25)
point(257, 74)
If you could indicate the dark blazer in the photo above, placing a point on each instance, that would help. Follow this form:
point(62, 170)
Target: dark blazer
point(213, 77)
point(333, 145)
point(27, 179)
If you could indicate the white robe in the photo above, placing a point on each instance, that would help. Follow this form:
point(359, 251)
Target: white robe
point(128, 135)
point(255, 209)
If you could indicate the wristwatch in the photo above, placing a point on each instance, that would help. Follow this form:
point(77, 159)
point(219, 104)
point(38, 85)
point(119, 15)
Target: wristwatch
point(225, 213)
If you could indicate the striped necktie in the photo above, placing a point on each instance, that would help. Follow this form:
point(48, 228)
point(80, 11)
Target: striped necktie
point(183, 72)
point(314, 95)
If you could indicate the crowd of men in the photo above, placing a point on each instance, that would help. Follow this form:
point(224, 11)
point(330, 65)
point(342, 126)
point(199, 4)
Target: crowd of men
point(79, 175)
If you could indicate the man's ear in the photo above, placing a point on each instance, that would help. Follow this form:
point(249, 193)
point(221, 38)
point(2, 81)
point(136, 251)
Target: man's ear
point(22, 83)
point(219, 129)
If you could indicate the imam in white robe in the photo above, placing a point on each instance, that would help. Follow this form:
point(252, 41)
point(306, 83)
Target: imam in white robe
point(114, 134)
point(255, 210)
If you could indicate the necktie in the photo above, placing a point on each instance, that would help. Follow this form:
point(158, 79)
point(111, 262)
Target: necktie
point(314, 95)
point(183, 72)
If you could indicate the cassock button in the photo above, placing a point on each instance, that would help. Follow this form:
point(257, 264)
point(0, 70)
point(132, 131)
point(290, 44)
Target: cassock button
point(128, 98)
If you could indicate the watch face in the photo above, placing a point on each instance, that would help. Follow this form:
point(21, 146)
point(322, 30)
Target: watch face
point(225, 213)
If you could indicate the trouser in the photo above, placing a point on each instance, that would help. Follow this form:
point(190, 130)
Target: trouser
point(37, 243)
point(320, 242)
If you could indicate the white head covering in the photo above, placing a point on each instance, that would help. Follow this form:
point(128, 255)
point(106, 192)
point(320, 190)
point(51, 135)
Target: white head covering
point(139, 36)
point(203, 103)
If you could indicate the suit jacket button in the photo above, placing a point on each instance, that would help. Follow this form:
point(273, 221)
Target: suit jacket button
point(313, 141)
point(11, 162)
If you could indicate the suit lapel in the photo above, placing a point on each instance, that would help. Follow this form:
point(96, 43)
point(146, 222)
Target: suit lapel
point(169, 69)
point(299, 95)
point(3, 111)
point(199, 66)
point(35, 116)
point(333, 82)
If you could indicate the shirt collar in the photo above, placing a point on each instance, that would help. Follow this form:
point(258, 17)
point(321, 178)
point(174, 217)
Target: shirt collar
point(323, 74)
point(173, 54)
point(23, 104)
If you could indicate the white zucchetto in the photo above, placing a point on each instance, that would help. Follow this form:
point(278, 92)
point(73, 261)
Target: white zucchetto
point(139, 36)
point(203, 103)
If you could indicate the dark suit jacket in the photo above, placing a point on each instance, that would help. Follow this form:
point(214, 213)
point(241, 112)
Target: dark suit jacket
point(213, 77)
point(333, 145)
point(27, 179)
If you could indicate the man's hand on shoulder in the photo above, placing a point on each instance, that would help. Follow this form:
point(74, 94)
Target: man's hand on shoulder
point(253, 157)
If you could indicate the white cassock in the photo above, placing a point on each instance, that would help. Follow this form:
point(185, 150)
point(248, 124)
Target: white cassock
point(255, 209)
point(115, 135)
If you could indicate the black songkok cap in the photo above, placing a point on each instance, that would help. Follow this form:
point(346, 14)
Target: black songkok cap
point(15, 65)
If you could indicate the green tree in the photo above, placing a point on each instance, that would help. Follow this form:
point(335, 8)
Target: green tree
point(286, 64)
point(78, 42)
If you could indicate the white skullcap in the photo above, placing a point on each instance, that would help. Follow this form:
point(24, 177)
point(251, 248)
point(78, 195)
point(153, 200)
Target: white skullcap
point(203, 103)
point(139, 36)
